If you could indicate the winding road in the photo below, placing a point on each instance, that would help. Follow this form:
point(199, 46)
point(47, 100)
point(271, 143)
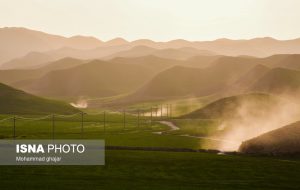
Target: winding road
point(173, 127)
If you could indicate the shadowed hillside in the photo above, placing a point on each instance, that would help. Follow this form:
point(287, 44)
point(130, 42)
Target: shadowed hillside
point(15, 101)
point(181, 81)
point(202, 61)
point(228, 107)
point(278, 81)
point(151, 62)
point(285, 140)
point(250, 78)
point(126, 68)
point(289, 61)
point(28, 61)
point(14, 76)
point(94, 79)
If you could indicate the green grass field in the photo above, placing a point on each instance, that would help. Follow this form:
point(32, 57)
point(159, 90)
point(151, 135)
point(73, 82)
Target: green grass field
point(197, 127)
point(159, 170)
point(115, 133)
point(143, 169)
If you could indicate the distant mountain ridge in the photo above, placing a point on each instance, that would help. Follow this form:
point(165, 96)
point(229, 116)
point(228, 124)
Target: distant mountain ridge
point(17, 42)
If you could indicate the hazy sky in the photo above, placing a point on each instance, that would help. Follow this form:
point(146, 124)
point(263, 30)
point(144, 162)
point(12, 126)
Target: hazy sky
point(157, 19)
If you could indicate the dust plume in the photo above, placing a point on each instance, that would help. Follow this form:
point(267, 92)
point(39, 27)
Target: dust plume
point(251, 118)
point(81, 103)
point(158, 111)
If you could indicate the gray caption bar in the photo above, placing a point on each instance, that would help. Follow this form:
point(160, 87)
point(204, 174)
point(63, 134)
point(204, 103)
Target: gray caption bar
point(52, 152)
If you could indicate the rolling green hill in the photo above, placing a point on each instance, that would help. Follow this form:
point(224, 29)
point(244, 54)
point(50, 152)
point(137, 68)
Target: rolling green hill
point(15, 101)
point(227, 107)
point(285, 140)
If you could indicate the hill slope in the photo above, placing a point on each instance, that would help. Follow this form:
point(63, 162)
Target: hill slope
point(171, 53)
point(93, 79)
point(227, 107)
point(278, 80)
point(180, 81)
point(150, 61)
point(13, 76)
point(289, 61)
point(28, 61)
point(285, 140)
point(250, 77)
point(15, 101)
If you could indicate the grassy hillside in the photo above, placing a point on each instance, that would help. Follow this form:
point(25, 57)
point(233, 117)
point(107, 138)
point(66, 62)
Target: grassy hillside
point(227, 107)
point(278, 80)
point(285, 140)
point(14, 101)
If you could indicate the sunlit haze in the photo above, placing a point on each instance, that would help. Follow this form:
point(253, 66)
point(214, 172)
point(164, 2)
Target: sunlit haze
point(159, 20)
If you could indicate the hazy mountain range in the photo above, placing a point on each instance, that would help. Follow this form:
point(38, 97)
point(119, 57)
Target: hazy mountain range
point(21, 47)
point(155, 78)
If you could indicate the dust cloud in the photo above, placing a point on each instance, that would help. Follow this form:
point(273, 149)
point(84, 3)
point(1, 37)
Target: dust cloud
point(81, 103)
point(251, 119)
point(157, 112)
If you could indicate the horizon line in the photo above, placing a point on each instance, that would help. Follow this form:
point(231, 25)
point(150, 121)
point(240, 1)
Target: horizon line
point(149, 39)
